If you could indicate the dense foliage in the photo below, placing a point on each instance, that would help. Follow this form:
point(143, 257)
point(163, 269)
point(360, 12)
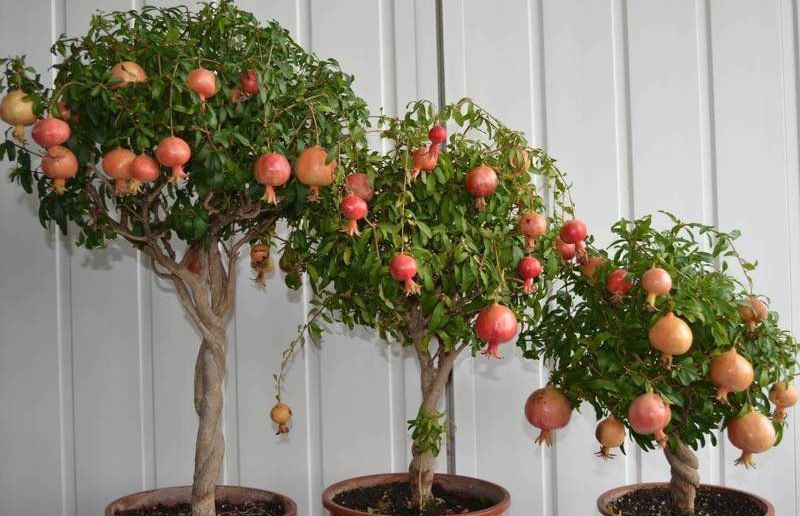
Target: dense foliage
point(599, 347)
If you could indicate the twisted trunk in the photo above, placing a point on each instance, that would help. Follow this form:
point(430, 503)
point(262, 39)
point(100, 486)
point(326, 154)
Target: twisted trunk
point(684, 477)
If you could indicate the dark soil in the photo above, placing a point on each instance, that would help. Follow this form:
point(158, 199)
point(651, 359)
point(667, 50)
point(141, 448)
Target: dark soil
point(656, 502)
point(395, 500)
point(223, 509)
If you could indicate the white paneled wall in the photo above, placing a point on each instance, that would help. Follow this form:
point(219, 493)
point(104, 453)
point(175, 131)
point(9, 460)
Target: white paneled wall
point(685, 105)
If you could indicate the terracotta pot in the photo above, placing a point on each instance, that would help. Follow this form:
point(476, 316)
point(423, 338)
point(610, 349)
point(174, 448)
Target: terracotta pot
point(609, 496)
point(469, 486)
point(176, 495)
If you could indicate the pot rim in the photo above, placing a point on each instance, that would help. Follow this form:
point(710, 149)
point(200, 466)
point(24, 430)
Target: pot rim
point(612, 494)
point(220, 490)
point(385, 478)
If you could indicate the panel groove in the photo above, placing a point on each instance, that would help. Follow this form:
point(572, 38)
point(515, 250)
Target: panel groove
point(146, 371)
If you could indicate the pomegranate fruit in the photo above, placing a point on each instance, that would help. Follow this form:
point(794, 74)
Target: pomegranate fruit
point(425, 159)
point(567, 251)
point(258, 253)
point(521, 165)
point(354, 208)
point(573, 231)
point(618, 284)
point(59, 164)
point(649, 414)
point(50, 131)
point(671, 336)
point(174, 152)
point(403, 268)
point(249, 82)
point(547, 409)
point(590, 266)
point(495, 324)
point(117, 164)
point(261, 262)
point(280, 415)
point(312, 171)
point(533, 225)
point(16, 111)
point(203, 82)
point(529, 268)
point(753, 312)
point(437, 135)
point(730, 372)
point(144, 169)
point(481, 182)
point(656, 282)
point(272, 170)
point(610, 433)
point(783, 395)
point(751, 433)
point(358, 184)
point(125, 73)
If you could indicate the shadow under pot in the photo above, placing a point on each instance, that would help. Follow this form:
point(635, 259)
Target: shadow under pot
point(267, 502)
point(645, 500)
point(387, 494)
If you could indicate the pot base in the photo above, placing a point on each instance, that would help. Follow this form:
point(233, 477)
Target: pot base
point(650, 500)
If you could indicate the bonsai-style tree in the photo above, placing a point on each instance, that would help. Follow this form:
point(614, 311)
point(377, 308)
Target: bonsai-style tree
point(446, 250)
point(659, 335)
point(168, 127)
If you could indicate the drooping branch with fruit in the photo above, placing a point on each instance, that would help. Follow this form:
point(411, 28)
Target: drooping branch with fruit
point(175, 131)
point(442, 244)
point(662, 337)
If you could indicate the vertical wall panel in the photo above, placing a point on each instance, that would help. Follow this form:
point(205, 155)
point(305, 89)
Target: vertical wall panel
point(752, 166)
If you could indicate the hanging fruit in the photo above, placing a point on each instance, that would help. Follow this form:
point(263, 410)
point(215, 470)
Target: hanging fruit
point(533, 225)
point(203, 82)
point(481, 182)
point(753, 312)
point(358, 184)
point(590, 266)
point(144, 169)
point(437, 135)
point(260, 262)
point(18, 112)
point(618, 284)
point(529, 268)
point(125, 73)
point(573, 231)
point(783, 395)
point(547, 409)
point(281, 414)
point(730, 372)
point(117, 165)
point(649, 414)
point(272, 170)
point(403, 268)
point(751, 433)
point(311, 170)
point(353, 208)
point(495, 325)
point(522, 165)
point(671, 336)
point(425, 160)
point(656, 282)
point(610, 433)
point(50, 131)
point(174, 152)
point(59, 164)
point(249, 82)
point(567, 251)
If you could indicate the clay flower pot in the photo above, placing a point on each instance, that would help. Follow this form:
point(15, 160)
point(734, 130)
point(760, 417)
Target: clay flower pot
point(177, 495)
point(609, 496)
point(471, 487)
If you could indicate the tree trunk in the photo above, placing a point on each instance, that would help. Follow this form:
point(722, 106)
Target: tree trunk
point(685, 479)
point(210, 445)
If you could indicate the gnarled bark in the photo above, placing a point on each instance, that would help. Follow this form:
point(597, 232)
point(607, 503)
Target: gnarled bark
point(685, 479)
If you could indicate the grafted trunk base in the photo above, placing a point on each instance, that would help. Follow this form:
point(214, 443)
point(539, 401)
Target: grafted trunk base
point(685, 478)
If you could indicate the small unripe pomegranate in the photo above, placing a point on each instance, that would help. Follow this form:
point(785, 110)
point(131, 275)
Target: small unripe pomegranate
point(203, 82)
point(50, 131)
point(521, 165)
point(533, 225)
point(495, 324)
point(354, 208)
point(272, 170)
point(753, 312)
point(311, 170)
point(783, 395)
point(281, 414)
point(59, 164)
point(403, 268)
point(618, 284)
point(117, 165)
point(751, 433)
point(610, 433)
point(529, 268)
point(730, 372)
point(656, 282)
point(125, 73)
point(261, 262)
point(547, 409)
point(649, 414)
point(671, 336)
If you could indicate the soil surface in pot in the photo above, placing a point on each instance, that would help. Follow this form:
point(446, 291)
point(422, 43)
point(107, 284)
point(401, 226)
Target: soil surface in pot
point(252, 508)
point(395, 499)
point(657, 502)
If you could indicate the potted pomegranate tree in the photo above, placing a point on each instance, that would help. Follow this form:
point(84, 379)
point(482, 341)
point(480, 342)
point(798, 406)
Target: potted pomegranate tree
point(175, 130)
point(668, 344)
point(443, 247)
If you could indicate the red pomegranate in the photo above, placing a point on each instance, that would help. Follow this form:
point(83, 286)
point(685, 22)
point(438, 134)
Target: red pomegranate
point(354, 208)
point(50, 131)
point(656, 282)
point(567, 251)
point(481, 182)
point(249, 82)
point(174, 152)
point(203, 82)
point(144, 169)
point(573, 231)
point(495, 324)
point(649, 414)
point(403, 268)
point(59, 164)
point(730, 372)
point(358, 184)
point(533, 225)
point(547, 409)
point(272, 170)
point(117, 164)
point(311, 170)
point(425, 160)
point(618, 284)
point(529, 268)
point(437, 135)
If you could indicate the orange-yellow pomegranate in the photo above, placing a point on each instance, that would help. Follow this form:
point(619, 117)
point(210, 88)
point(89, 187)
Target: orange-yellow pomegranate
point(280, 415)
point(610, 433)
point(730, 372)
point(751, 433)
point(671, 336)
point(783, 395)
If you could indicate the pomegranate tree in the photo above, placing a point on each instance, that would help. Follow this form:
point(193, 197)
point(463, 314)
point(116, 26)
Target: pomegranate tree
point(430, 269)
point(666, 344)
point(124, 121)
